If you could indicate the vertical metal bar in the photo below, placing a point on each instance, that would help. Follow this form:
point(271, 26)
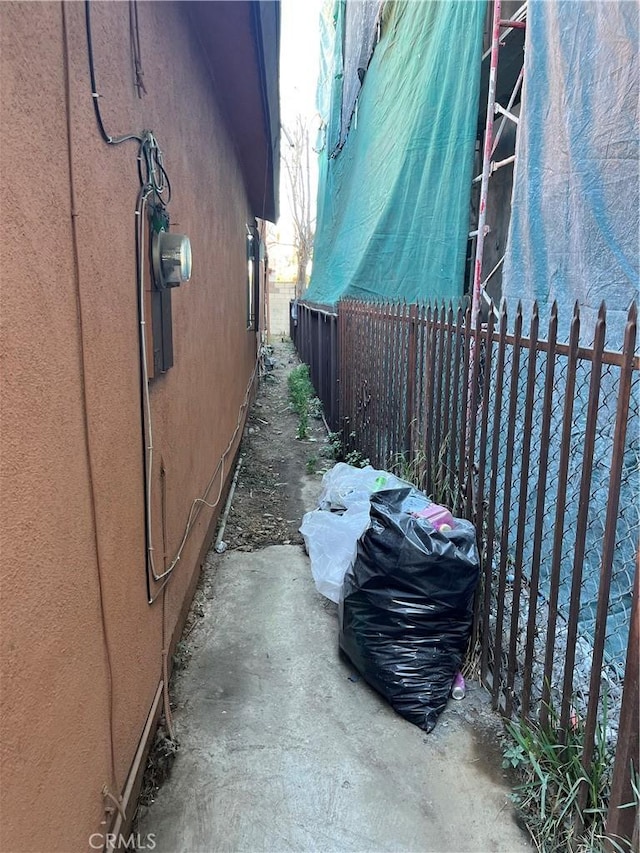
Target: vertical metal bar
point(320, 352)
point(397, 379)
point(352, 369)
point(326, 360)
point(506, 503)
point(541, 488)
point(336, 370)
point(455, 397)
point(583, 515)
point(428, 414)
point(622, 819)
point(364, 380)
point(464, 400)
point(495, 447)
point(333, 413)
point(446, 426)
point(486, 163)
point(388, 379)
point(470, 483)
point(343, 346)
point(307, 336)
point(472, 419)
point(301, 331)
point(480, 514)
point(561, 499)
point(609, 540)
point(376, 390)
point(340, 336)
point(420, 409)
point(358, 389)
point(381, 449)
point(411, 379)
point(369, 355)
point(439, 374)
point(382, 381)
point(523, 498)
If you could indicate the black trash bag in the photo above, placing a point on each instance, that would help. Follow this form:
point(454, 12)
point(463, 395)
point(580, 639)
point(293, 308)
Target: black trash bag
point(406, 606)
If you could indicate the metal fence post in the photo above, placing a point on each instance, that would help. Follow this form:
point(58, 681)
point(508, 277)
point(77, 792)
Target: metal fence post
point(411, 381)
point(622, 820)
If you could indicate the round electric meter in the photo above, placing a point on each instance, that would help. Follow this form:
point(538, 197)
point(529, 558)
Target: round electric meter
point(171, 255)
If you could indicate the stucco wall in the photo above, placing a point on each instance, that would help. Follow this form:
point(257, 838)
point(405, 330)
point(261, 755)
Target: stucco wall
point(55, 696)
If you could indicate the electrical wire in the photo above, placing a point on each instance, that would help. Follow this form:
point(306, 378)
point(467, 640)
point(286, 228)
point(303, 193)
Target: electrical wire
point(198, 502)
point(110, 140)
point(155, 189)
point(85, 408)
point(134, 32)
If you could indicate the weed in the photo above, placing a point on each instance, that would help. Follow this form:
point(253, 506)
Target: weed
point(341, 454)
point(355, 458)
point(312, 465)
point(335, 443)
point(413, 468)
point(549, 763)
point(315, 408)
point(409, 468)
point(300, 395)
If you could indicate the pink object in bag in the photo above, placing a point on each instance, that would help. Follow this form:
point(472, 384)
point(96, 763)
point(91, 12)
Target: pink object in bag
point(439, 516)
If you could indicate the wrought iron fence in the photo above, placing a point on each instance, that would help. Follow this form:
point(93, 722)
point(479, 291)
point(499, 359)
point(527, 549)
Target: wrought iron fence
point(536, 442)
point(314, 331)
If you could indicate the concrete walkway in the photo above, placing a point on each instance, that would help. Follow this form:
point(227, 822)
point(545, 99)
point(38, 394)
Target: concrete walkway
point(281, 751)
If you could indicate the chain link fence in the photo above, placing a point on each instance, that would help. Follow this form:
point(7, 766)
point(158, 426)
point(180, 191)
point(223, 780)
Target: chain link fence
point(537, 442)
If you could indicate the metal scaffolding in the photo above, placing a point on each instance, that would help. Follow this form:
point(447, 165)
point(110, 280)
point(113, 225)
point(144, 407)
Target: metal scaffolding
point(500, 31)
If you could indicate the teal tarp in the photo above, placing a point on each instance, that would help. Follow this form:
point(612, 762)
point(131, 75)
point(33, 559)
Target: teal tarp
point(393, 202)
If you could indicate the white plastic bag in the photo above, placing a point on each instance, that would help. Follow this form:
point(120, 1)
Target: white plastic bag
point(330, 537)
point(331, 540)
point(344, 485)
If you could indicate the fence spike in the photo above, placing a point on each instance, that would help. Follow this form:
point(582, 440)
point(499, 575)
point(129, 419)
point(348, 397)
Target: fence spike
point(633, 312)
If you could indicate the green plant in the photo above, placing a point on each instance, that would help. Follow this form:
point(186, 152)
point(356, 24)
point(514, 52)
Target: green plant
point(549, 764)
point(335, 443)
point(315, 408)
point(312, 465)
point(413, 467)
point(409, 467)
point(352, 457)
point(300, 396)
point(355, 458)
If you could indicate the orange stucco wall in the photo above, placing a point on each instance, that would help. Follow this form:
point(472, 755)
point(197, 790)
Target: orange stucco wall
point(55, 696)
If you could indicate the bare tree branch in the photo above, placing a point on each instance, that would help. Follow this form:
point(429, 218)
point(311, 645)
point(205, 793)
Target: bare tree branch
point(296, 162)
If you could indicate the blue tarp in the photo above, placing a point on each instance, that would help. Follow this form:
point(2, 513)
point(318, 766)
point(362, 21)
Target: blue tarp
point(393, 202)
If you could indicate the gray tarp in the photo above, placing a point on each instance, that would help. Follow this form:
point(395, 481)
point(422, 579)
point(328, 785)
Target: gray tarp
point(575, 208)
point(573, 237)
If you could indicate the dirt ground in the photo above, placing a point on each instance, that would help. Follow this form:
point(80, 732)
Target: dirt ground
point(268, 506)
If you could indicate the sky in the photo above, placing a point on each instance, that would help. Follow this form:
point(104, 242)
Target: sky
point(299, 66)
point(299, 57)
